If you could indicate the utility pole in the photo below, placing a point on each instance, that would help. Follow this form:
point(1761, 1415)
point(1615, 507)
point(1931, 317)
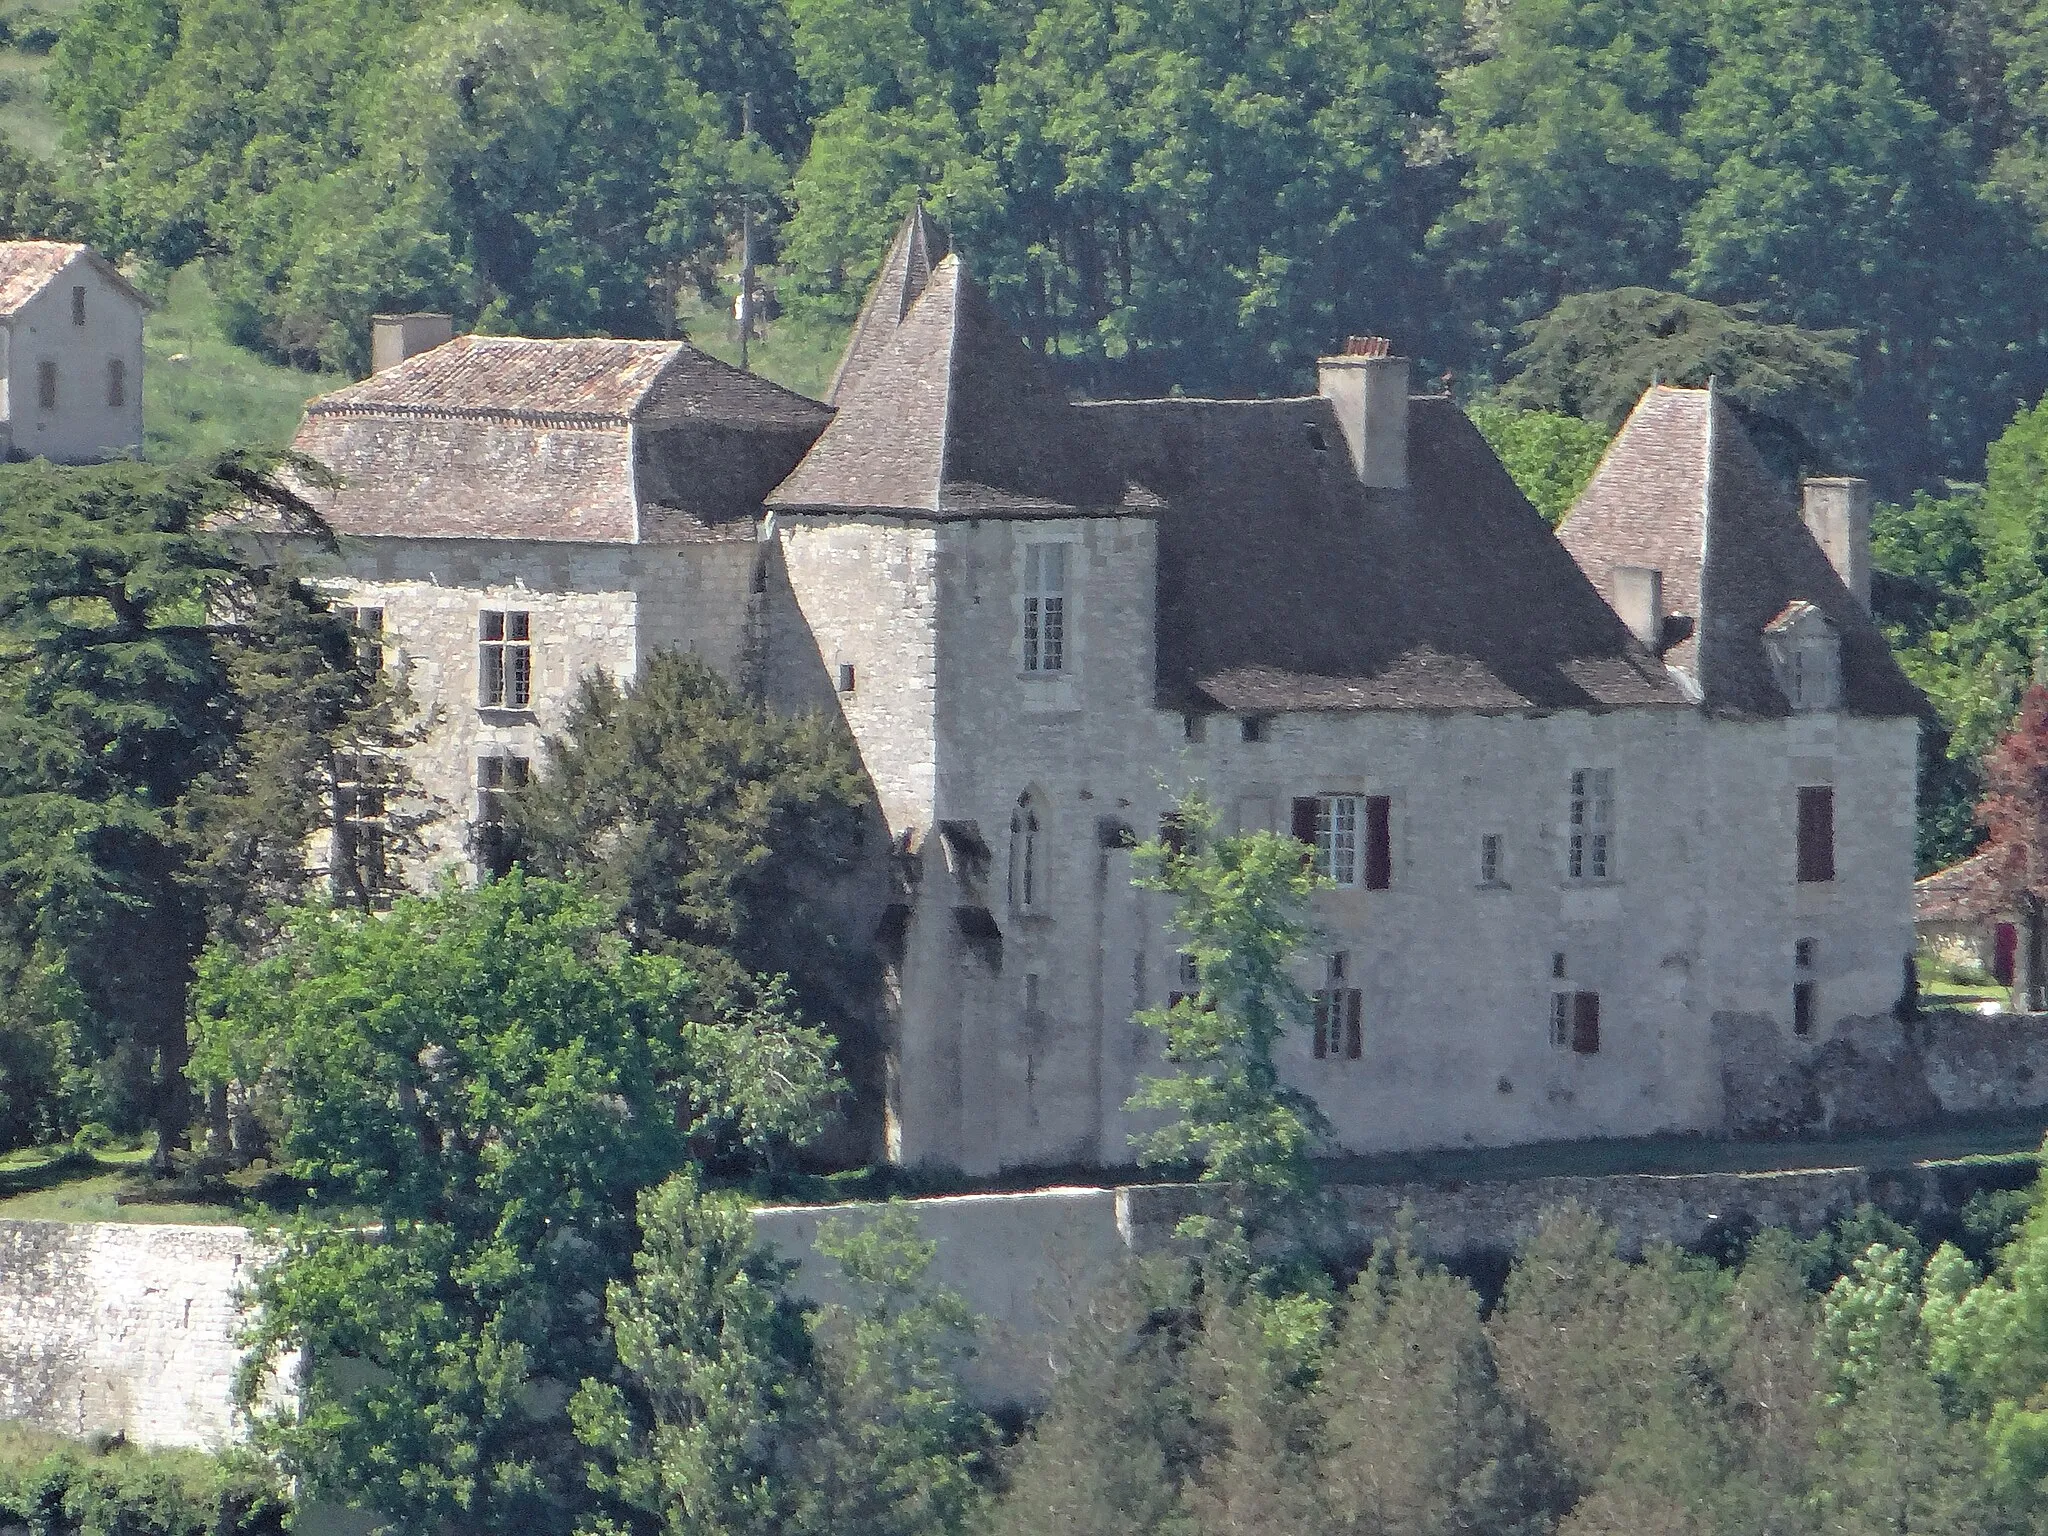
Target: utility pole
point(746, 304)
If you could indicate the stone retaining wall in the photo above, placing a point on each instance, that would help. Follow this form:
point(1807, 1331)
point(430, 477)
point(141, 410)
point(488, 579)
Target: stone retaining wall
point(131, 1329)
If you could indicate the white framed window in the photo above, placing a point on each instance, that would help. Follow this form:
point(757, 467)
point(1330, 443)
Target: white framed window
point(1027, 856)
point(1337, 1014)
point(1045, 608)
point(504, 659)
point(1491, 869)
point(1337, 838)
point(1589, 853)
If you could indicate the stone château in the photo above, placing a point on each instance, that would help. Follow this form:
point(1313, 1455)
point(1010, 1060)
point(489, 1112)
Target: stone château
point(1604, 812)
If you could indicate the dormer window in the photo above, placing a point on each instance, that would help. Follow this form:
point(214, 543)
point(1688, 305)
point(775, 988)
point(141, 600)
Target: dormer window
point(1806, 656)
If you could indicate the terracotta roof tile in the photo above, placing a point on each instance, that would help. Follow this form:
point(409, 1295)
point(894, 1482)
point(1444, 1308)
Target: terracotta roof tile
point(28, 266)
point(1971, 891)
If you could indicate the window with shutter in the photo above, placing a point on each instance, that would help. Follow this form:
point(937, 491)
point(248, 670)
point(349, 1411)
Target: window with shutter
point(1379, 842)
point(1337, 1015)
point(1585, 1022)
point(1304, 820)
point(1816, 833)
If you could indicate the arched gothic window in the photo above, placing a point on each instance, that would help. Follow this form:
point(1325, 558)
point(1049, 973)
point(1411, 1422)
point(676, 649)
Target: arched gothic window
point(1027, 855)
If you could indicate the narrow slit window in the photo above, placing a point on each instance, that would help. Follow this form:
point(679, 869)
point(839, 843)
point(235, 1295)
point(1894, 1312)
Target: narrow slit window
point(78, 305)
point(1489, 858)
point(117, 383)
point(1027, 856)
point(1816, 833)
point(46, 384)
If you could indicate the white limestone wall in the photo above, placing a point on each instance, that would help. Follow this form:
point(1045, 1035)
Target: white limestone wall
point(863, 592)
point(592, 606)
point(107, 1328)
point(83, 427)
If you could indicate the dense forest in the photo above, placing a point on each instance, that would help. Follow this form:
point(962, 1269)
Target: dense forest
point(1837, 208)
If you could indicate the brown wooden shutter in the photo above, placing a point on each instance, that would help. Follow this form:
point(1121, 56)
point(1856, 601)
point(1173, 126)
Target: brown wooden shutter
point(1173, 833)
point(1816, 832)
point(1305, 819)
point(1586, 1022)
point(1354, 1031)
point(1323, 1030)
point(1379, 842)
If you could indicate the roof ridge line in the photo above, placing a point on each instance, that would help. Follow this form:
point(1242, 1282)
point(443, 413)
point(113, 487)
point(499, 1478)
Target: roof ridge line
point(506, 417)
point(952, 352)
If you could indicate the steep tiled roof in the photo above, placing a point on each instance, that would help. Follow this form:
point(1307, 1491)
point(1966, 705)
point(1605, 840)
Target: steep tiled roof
point(1683, 491)
point(590, 440)
point(27, 266)
point(1284, 584)
point(919, 244)
point(955, 417)
point(1967, 892)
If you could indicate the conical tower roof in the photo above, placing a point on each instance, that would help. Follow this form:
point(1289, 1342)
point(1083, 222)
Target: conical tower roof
point(955, 416)
point(919, 246)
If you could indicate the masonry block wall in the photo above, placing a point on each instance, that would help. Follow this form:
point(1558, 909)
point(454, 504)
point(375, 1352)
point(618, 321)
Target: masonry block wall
point(589, 606)
point(85, 422)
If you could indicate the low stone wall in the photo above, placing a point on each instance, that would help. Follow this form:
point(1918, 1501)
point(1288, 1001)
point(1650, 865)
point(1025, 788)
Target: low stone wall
point(1880, 1073)
point(132, 1329)
point(114, 1329)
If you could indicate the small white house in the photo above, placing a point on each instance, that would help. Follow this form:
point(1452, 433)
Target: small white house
point(70, 354)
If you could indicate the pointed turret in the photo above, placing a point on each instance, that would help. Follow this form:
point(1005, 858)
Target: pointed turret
point(1683, 497)
point(919, 246)
point(954, 416)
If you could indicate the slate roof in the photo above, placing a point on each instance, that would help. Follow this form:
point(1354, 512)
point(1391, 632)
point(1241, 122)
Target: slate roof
point(1971, 891)
point(955, 417)
point(585, 440)
point(28, 266)
point(919, 244)
point(1285, 584)
point(1683, 491)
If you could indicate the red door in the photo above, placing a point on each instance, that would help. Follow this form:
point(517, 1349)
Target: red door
point(2005, 945)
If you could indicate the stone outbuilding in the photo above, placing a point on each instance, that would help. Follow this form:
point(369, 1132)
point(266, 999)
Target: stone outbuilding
point(1605, 815)
point(70, 354)
point(1962, 915)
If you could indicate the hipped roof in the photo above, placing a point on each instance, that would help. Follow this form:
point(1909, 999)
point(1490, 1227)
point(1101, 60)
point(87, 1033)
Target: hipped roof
point(1285, 584)
point(1683, 491)
point(585, 441)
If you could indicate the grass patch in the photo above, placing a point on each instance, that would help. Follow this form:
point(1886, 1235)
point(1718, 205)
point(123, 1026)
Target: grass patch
point(797, 354)
point(25, 116)
point(201, 393)
point(63, 1184)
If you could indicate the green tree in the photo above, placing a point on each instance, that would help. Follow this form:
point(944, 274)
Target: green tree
point(1577, 171)
point(1419, 1438)
point(1242, 912)
point(158, 700)
point(721, 832)
point(1550, 455)
point(493, 1075)
point(1595, 353)
point(737, 1412)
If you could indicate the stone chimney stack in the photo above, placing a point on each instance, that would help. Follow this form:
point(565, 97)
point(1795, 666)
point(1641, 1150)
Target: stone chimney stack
point(1369, 389)
point(1639, 599)
point(394, 338)
point(1837, 514)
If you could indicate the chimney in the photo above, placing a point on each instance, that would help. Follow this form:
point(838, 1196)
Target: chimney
point(394, 338)
point(1639, 599)
point(1837, 514)
point(1369, 389)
